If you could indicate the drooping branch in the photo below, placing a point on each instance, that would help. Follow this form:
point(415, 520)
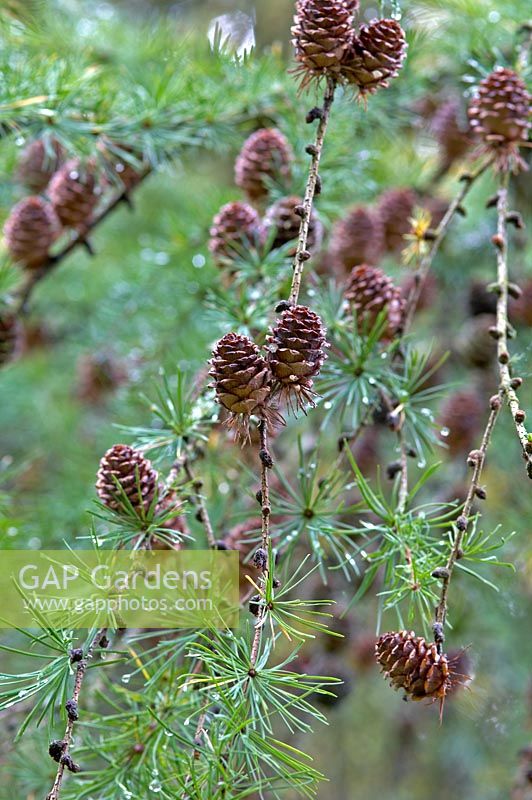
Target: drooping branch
point(508, 384)
point(476, 459)
point(60, 751)
point(468, 179)
point(79, 240)
point(315, 150)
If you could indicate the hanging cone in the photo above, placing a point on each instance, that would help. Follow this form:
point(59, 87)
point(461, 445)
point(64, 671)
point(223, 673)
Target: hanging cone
point(122, 164)
point(368, 292)
point(241, 380)
point(451, 132)
point(461, 418)
point(124, 471)
point(356, 239)
point(500, 116)
point(235, 228)
point(296, 352)
point(414, 666)
point(10, 338)
point(474, 344)
point(30, 230)
point(98, 376)
point(322, 35)
point(38, 162)
point(376, 55)
point(396, 207)
point(74, 193)
point(266, 156)
point(282, 217)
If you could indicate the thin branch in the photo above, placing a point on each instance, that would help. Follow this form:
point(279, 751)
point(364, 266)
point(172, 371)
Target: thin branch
point(79, 240)
point(403, 485)
point(477, 458)
point(65, 760)
point(468, 179)
point(507, 384)
point(302, 255)
point(203, 514)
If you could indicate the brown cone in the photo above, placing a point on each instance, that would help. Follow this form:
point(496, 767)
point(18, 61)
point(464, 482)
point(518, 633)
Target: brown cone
point(322, 35)
point(241, 379)
point(499, 116)
point(74, 193)
point(10, 338)
point(368, 291)
point(414, 665)
point(119, 169)
point(356, 239)
point(135, 476)
point(474, 344)
point(296, 352)
point(282, 217)
point(266, 156)
point(451, 132)
point(396, 207)
point(235, 228)
point(461, 416)
point(376, 55)
point(38, 162)
point(30, 230)
point(98, 375)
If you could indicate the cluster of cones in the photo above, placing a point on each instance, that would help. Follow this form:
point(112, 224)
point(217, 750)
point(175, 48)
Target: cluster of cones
point(264, 163)
point(249, 383)
point(327, 45)
point(127, 483)
point(65, 193)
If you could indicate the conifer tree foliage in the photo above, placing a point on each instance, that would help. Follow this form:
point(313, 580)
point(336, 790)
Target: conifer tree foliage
point(303, 415)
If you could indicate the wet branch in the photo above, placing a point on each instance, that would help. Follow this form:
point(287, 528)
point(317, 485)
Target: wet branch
point(302, 254)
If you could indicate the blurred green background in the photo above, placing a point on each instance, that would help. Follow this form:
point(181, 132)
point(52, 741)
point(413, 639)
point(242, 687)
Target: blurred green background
point(141, 303)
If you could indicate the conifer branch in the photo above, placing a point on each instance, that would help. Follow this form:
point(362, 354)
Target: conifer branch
point(468, 179)
point(61, 751)
point(476, 459)
point(203, 513)
point(508, 385)
point(79, 240)
point(302, 255)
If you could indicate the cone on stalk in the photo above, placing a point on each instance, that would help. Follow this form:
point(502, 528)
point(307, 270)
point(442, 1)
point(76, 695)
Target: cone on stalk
point(415, 666)
point(241, 380)
point(322, 36)
point(266, 156)
point(74, 193)
point(235, 228)
point(296, 352)
point(368, 292)
point(38, 162)
point(375, 56)
point(356, 239)
point(126, 476)
point(30, 230)
point(283, 219)
point(499, 115)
